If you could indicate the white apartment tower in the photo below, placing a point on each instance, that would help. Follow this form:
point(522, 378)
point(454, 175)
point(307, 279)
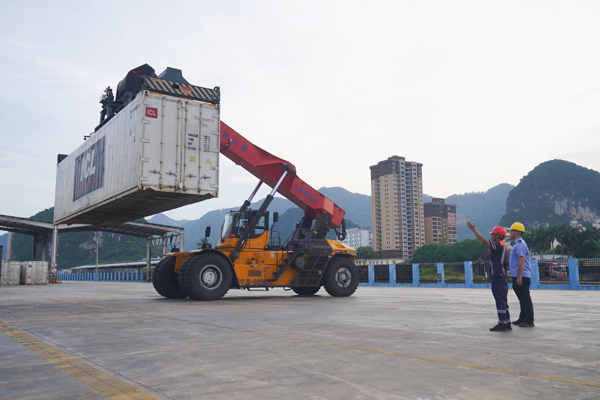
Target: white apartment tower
point(397, 207)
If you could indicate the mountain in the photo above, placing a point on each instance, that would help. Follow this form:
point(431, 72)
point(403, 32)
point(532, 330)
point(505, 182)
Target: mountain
point(75, 249)
point(162, 219)
point(485, 209)
point(356, 205)
point(553, 193)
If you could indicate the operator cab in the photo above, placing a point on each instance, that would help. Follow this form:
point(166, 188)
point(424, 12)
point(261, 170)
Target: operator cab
point(235, 223)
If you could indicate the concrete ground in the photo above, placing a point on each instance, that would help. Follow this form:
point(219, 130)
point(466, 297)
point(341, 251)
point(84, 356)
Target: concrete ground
point(122, 340)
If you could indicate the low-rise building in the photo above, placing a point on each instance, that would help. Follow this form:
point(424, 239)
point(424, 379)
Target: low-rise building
point(358, 237)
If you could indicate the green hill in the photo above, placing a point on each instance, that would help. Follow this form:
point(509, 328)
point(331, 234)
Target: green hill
point(485, 209)
point(553, 193)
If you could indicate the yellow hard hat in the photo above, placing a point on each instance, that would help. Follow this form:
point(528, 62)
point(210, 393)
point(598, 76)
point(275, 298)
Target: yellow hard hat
point(517, 226)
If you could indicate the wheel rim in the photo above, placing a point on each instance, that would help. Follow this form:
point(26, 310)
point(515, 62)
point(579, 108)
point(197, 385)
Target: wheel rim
point(210, 277)
point(343, 277)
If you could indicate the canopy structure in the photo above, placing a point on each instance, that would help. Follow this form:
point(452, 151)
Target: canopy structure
point(46, 232)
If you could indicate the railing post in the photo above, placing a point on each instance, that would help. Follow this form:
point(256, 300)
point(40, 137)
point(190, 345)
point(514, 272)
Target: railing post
point(392, 274)
point(535, 274)
point(371, 269)
point(573, 273)
point(440, 270)
point(415, 268)
point(469, 274)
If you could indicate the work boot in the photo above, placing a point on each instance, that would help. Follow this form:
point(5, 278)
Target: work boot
point(499, 328)
point(518, 322)
point(527, 325)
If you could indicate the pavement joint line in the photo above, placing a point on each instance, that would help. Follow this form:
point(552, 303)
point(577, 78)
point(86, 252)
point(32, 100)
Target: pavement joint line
point(143, 314)
point(103, 383)
point(34, 321)
point(411, 356)
point(441, 361)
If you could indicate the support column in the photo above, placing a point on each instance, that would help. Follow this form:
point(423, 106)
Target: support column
point(35, 240)
point(181, 240)
point(440, 271)
point(164, 244)
point(469, 274)
point(54, 243)
point(415, 268)
point(392, 274)
point(148, 257)
point(371, 270)
point(573, 273)
point(44, 246)
point(9, 246)
point(535, 274)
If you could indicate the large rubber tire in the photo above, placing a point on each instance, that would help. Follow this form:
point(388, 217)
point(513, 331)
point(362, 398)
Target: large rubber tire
point(181, 275)
point(165, 280)
point(154, 271)
point(306, 290)
point(341, 277)
point(207, 277)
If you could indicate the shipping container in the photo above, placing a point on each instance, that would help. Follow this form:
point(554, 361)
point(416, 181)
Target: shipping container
point(34, 272)
point(11, 273)
point(159, 153)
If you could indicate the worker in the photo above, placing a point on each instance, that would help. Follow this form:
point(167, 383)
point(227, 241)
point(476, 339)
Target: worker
point(520, 271)
point(499, 257)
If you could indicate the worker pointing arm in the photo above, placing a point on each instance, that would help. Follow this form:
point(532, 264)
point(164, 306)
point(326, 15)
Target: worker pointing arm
point(478, 235)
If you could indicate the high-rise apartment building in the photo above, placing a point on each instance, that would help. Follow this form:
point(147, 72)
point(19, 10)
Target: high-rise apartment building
point(397, 207)
point(440, 222)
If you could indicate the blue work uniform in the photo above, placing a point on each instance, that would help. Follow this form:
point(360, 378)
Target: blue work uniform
point(520, 249)
point(498, 260)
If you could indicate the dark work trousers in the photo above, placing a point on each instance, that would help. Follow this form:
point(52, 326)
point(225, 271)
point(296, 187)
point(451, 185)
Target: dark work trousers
point(500, 292)
point(522, 293)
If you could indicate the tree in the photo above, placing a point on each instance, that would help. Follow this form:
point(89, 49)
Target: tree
point(465, 250)
point(589, 249)
point(562, 235)
point(552, 235)
point(366, 253)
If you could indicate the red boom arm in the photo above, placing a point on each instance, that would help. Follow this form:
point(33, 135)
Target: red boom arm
point(268, 168)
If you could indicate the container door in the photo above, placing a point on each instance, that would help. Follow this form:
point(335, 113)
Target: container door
point(201, 150)
point(210, 149)
point(161, 143)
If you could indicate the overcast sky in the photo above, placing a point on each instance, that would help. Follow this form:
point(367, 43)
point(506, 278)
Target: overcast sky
point(479, 92)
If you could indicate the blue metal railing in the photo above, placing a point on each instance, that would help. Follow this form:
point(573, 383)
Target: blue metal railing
point(137, 276)
point(455, 275)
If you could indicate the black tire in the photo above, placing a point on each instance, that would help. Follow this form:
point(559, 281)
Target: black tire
point(165, 280)
point(182, 274)
point(341, 277)
point(207, 277)
point(306, 290)
point(154, 275)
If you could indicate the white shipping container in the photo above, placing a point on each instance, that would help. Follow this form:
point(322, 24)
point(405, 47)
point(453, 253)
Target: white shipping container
point(159, 153)
point(11, 273)
point(34, 272)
